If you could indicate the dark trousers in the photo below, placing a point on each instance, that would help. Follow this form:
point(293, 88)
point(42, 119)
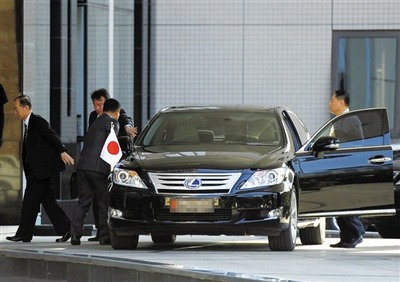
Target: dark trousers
point(95, 210)
point(40, 192)
point(91, 185)
point(351, 228)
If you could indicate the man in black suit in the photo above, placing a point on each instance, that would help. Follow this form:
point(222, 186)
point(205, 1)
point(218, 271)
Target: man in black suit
point(346, 130)
point(43, 156)
point(126, 128)
point(92, 173)
point(3, 100)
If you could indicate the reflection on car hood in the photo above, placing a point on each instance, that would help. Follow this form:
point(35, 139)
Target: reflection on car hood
point(154, 158)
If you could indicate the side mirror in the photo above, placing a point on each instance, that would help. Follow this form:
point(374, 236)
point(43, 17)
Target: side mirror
point(125, 142)
point(326, 143)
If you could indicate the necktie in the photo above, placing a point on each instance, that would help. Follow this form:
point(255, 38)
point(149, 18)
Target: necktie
point(25, 132)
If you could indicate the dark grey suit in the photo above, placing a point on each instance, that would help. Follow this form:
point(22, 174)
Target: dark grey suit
point(92, 173)
point(349, 129)
point(123, 121)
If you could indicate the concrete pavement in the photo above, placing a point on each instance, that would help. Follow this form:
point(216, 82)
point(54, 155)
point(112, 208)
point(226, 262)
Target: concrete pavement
point(198, 258)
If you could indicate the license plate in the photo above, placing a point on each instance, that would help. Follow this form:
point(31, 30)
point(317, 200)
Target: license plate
point(192, 206)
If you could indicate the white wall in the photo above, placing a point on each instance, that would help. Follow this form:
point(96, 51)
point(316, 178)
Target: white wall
point(254, 51)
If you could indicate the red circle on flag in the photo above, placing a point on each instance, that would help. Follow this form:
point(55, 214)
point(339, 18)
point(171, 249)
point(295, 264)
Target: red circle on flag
point(113, 148)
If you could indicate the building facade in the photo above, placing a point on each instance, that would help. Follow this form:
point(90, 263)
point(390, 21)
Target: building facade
point(156, 53)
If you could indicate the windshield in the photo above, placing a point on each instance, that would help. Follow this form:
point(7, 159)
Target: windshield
point(214, 128)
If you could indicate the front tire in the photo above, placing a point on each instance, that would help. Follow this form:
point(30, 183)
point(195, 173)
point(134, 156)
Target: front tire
point(286, 241)
point(123, 242)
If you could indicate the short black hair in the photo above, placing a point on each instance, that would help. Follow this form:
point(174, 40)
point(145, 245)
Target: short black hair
point(98, 93)
point(111, 105)
point(343, 95)
point(24, 100)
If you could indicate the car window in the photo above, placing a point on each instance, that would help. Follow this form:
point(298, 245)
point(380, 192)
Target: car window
point(358, 128)
point(214, 127)
point(301, 129)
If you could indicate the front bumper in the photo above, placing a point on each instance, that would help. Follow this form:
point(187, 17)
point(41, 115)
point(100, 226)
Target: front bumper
point(135, 212)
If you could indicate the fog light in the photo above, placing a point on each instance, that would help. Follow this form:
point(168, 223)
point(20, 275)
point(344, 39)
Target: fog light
point(114, 213)
point(275, 213)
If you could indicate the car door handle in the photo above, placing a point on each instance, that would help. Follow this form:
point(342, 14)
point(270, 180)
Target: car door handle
point(379, 160)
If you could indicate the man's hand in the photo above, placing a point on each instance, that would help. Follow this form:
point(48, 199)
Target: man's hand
point(132, 131)
point(67, 159)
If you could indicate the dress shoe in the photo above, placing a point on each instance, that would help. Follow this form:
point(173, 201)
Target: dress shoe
point(338, 245)
point(75, 240)
point(93, 239)
point(105, 242)
point(64, 238)
point(18, 239)
point(14, 238)
point(353, 243)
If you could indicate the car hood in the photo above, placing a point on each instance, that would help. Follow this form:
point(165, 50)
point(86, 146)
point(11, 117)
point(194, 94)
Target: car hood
point(258, 157)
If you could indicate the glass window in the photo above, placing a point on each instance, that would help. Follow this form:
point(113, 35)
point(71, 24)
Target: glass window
point(214, 127)
point(358, 129)
point(366, 64)
point(298, 123)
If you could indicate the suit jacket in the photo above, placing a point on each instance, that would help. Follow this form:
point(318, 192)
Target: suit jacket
point(3, 100)
point(123, 121)
point(42, 149)
point(97, 134)
point(348, 129)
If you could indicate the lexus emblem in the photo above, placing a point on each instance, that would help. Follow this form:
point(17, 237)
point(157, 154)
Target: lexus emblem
point(192, 183)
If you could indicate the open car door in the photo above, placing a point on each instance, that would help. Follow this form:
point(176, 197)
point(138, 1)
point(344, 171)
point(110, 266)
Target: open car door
point(346, 168)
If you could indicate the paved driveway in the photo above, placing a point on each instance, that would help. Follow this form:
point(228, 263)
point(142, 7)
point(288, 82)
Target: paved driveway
point(375, 259)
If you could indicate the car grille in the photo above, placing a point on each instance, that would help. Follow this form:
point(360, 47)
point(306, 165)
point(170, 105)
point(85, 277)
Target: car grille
point(211, 183)
point(218, 215)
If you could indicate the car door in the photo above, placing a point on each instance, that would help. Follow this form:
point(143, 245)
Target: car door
point(347, 173)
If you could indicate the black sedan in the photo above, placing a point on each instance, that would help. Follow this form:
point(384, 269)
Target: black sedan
point(241, 170)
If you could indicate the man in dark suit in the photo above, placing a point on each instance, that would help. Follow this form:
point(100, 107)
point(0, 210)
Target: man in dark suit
point(126, 128)
point(347, 129)
point(92, 173)
point(3, 100)
point(43, 156)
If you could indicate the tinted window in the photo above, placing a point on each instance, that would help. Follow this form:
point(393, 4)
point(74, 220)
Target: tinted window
point(300, 127)
point(214, 127)
point(355, 129)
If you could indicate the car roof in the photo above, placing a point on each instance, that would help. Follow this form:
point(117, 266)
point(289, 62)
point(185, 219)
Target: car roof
point(239, 107)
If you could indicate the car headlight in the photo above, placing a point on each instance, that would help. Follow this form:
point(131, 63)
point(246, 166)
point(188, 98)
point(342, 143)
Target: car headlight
point(127, 177)
point(265, 178)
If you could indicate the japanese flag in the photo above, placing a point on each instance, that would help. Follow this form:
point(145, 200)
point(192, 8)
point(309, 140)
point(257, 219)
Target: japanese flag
point(111, 152)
